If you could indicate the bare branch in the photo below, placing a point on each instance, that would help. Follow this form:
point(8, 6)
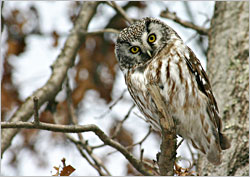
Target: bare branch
point(79, 147)
point(141, 155)
point(173, 16)
point(178, 145)
point(98, 162)
point(120, 11)
point(106, 30)
point(36, 114)
point(113, 104)
point(142, 140)
point(119, 126)
point(59, 70)
point(79, 129)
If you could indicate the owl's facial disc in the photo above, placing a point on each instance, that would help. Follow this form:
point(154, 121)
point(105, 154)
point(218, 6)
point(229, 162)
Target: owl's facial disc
point(140, 42)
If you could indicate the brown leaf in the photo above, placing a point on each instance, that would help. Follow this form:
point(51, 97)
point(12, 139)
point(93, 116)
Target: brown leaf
point(16, 46)
point(55, 36)
point(62, 113)
point(67, 170)
point(57, 171)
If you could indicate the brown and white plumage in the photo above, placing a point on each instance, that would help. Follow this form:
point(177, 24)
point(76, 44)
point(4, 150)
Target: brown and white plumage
point(183, 83)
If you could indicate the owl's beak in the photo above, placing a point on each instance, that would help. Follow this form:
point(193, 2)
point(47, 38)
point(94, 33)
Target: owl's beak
point(149, 53)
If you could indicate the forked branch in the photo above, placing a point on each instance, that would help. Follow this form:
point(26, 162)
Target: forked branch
point(172, 16)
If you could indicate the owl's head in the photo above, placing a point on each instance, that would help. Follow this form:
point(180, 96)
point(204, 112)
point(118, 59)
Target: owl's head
point(141, 41)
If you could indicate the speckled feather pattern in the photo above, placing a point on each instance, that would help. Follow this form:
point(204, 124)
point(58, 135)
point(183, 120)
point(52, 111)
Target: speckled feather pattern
point(132, 32)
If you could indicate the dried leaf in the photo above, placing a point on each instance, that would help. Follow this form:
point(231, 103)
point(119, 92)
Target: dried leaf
point(55, 36)
point(180, 171)
point(67, 170)
point(57, 171)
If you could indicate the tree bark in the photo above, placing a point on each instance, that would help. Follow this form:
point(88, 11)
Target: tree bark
point(228, 72)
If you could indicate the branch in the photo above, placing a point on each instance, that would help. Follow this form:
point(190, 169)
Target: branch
point(106, 30)
point(36, 116)
point(167, 156)
point(173, 16)
point(119, 126)
point(142, 140)
point(98, 165)
point(79, 129)
point(120, 11)
point(95, 165)
point(59, 70)
point(112, 105)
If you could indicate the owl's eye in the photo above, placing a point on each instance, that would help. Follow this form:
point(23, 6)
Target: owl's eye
point(151, 38)
point(134, 49)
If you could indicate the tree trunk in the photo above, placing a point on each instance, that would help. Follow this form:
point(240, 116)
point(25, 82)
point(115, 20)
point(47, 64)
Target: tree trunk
point(228, 71)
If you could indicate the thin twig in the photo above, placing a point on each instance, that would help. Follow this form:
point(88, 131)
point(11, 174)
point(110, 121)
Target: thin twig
point(141, 117)
point(142, 140)
point(173, 16)
point(178, 145)
point(36, 114)
point(141, 154)
point(79, 129)
point(98, 163)
point(120, 11)
point(118, 99)
point(113, 104)
point(106, 30)
point(135, 144)
point(96, 166)
point(118, 127)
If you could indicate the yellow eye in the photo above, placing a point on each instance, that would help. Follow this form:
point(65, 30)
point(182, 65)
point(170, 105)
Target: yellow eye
point(151, 38)
point(134, 49)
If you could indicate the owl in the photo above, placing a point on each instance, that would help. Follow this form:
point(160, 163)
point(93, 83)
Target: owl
point(149, 51)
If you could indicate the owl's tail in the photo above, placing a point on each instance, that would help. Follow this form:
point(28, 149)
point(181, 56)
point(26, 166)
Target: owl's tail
point(214, 152)
point(224, 142)
point(211, 145)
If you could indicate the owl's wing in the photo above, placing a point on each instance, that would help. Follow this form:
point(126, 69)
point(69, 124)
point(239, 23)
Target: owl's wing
point(167, 121)
point(203, 83)
point(204, 86)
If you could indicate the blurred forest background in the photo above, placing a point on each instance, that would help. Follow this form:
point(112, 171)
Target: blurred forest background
point(33, 34)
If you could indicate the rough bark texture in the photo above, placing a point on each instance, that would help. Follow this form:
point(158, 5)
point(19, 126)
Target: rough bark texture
point(228, 72)
point(167, 156)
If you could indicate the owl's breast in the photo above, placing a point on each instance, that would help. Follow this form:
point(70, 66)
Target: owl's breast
point(137, 87)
